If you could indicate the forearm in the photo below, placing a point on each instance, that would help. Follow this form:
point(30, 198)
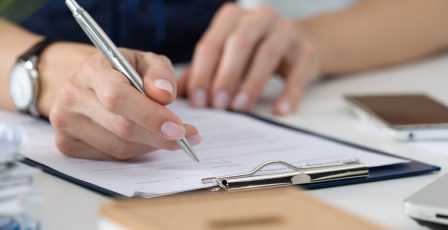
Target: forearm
point(58, 62)
point(376, 33)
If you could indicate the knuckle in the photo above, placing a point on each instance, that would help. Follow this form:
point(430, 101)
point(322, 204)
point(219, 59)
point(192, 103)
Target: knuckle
point(308, 48)
point(111, 100)
point(266, 12)
point(148, 119)
point(150, 55)
point(91, 62)
point(69, 93)
point(165, 59)
point(124, 50)
point(171, 146)
point(206, 45)
point(64, 145)
point(271, 50)
point(124, 151)
point(228, 8)
point(253, 88)
point(57, 117)
point(288, 29)
point(287, 25)
point(223, 82)
point(126, 129)
point(240, 41)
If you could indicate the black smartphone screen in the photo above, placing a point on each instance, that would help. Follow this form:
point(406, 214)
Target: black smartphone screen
point(403, 110)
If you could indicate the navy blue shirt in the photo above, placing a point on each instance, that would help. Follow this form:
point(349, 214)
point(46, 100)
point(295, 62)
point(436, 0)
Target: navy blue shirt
point(169, 27)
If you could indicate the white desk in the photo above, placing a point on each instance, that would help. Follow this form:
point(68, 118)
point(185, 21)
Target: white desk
point(68, 206)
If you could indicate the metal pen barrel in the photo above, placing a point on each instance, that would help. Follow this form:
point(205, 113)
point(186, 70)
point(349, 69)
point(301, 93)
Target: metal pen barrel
point(100, 39)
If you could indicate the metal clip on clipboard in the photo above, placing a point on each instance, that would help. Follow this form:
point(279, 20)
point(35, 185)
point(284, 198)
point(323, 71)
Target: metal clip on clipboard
point(306, 175)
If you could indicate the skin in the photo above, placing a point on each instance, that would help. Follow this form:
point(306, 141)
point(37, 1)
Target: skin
point(242, 49)
point(95, 111)
point(97, 114)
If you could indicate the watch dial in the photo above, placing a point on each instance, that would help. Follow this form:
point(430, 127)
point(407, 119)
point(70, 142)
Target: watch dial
point(21, 87)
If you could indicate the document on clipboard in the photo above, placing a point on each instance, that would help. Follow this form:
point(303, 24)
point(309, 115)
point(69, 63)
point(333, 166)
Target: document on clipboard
point(232, 144)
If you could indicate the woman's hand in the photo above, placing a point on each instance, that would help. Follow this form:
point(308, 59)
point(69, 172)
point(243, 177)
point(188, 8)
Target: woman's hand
point(240, 51)
point(99, 115)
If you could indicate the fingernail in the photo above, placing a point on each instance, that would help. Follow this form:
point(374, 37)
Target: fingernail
point(164, 85)
point(284, 107)
point(221, 100)
point(194, 140)
point(241, 101)
point(172, 130)
point(199, 98)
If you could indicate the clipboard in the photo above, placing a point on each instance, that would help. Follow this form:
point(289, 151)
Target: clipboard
point(411, 168)
point(297, 176)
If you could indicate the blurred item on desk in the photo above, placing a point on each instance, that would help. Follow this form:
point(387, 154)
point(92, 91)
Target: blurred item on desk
point(286, 208)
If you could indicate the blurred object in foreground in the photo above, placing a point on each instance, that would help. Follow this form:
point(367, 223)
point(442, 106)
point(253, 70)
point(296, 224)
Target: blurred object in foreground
point(16, 183)
point(286, 208)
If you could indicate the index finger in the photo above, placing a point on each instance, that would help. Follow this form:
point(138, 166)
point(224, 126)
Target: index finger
point(157, 72)
point(119, 97)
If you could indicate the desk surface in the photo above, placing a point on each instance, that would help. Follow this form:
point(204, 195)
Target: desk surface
point(68, 206)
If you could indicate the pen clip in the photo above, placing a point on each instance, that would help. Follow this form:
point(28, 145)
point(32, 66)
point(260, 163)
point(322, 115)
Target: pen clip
point(246, 181)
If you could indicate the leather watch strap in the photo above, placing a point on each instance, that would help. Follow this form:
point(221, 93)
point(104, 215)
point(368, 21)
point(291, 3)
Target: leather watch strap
point(37, 49)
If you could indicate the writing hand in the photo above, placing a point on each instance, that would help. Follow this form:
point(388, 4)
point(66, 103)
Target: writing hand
point(99, 115)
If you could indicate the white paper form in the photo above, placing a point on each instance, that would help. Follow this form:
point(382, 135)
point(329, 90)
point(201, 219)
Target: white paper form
point(231, 144)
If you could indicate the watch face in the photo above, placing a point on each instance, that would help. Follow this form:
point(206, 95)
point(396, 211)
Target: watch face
point(21, 87)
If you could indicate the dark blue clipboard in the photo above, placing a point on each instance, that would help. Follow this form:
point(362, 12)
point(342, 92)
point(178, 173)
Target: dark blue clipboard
point(412, 168)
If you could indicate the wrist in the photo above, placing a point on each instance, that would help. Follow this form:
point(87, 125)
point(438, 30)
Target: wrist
point(13, 42)
point(57, 63)
point(316, 31)
point(316, 51)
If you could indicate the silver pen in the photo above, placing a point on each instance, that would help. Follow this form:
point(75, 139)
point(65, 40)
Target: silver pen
point(108, 48)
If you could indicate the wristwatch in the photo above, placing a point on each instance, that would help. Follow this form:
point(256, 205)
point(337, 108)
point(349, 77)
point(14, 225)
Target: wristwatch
point(24, 79)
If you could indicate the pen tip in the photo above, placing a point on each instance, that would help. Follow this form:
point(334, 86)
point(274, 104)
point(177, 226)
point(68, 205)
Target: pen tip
point(183, 143)
point(196, 159)
point(193, 154)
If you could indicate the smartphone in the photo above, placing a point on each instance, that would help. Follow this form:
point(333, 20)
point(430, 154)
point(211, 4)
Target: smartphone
point(404, 117)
